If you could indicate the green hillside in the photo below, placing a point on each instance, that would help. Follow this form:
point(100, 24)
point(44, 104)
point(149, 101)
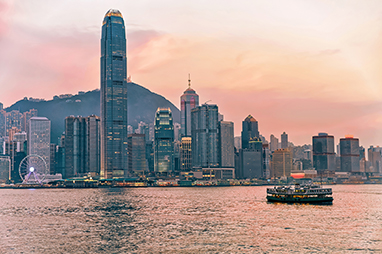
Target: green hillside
point(142, 104)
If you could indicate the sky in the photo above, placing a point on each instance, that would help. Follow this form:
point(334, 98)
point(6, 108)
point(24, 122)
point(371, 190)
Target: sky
point(297, 66)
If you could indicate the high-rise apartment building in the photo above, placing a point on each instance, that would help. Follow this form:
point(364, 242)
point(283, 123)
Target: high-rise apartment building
point(164, 142)
point(226, 147)
point(250, 131)
point(349, 149)
point(284, 140)
point(113, 97)
point(39, 139)
point(25, 119)
point(188, 101)
point(205, 136)
point(13, 120)
point(324, 157)
point(3, 123)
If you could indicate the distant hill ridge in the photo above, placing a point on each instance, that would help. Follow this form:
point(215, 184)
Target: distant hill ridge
point(142, 105)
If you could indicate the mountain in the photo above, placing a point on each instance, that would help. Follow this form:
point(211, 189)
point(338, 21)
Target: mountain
point(142, 105)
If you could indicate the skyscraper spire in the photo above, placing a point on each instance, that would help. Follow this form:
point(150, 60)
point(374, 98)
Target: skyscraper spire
point(189, 81)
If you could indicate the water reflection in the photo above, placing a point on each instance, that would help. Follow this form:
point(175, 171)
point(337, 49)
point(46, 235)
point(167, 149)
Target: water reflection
point(188, 220)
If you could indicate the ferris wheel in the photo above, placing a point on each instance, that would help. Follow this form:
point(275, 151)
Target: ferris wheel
point(33, 169)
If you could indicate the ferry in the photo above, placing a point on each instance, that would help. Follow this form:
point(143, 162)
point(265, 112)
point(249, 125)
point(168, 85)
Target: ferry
point(300, 194)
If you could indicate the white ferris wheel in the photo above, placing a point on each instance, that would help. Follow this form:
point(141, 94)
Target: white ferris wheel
point(33, 169)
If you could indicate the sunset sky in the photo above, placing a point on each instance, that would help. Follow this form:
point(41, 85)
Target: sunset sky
point(297, 66)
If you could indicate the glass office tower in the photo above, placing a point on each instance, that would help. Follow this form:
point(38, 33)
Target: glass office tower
point(205, 136)
point(113, 97)
point(164, 142)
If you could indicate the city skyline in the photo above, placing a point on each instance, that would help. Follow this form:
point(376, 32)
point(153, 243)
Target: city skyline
point(311, 68)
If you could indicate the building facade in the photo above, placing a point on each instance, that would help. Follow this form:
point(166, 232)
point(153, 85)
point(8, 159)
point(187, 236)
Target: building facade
point(349, 151)
point(324, 157)
point(205, 136)
point(39, 139)
point(251, 160)
point(281, 165)
point(137, 154)
point(113, 97)
point(226, 144)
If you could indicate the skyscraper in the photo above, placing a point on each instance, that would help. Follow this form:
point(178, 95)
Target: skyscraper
point(75, 146)
point(113, 96)
point(284, 140)
point(82, 146)
point(137, 153)
point(93, 146)
point(188, 101)
point(349, 149)
point(250, 131)
point(323, 153)
point(39, 139)
point(164, 142)
point(205, 136)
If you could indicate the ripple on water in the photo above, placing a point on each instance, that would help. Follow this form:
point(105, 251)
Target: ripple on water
point(187, 220)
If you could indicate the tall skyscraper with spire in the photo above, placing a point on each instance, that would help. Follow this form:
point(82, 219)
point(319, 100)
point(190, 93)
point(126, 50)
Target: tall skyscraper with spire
point(113, 97)
point(188, 101)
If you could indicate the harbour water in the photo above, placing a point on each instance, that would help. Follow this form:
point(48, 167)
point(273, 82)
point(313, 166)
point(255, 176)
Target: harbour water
point(187, 220)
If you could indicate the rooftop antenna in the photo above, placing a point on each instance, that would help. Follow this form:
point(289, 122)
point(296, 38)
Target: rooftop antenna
point(207, 101)
point(189, 81)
